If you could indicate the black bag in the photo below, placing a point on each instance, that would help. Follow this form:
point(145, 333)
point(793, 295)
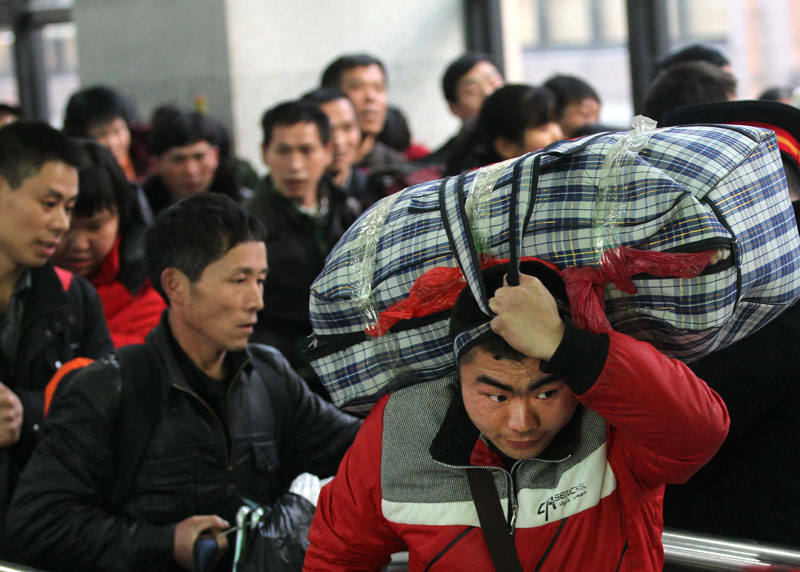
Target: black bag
point(273, 538)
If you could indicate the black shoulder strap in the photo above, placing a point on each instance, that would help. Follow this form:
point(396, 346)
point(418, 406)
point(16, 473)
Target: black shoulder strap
point(493, 524)
point(137, 415)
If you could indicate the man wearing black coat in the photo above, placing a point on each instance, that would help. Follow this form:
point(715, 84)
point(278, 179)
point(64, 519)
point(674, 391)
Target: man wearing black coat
point(233, 421)
point(47, 315)
point(305, 215)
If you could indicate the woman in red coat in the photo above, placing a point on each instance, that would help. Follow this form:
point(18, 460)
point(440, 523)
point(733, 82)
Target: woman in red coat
point(104, 245)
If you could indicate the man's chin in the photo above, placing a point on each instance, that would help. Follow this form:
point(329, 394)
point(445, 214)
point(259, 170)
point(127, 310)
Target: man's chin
point(523, 450)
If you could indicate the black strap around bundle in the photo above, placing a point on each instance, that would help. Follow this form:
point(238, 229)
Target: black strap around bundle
point(493, 524)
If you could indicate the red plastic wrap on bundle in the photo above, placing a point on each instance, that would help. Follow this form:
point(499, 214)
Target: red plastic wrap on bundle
point(435, 291)
point(618, 266)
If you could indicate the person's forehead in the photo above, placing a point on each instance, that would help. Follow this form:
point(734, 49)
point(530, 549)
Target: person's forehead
point(482, 363)
point(99, 216)
point(55, 176)
point(371, 73)
point(340, 109)
point(248, 256)
point(107, 123)
point(476, 73)
point(198, 147)
point(301, 133)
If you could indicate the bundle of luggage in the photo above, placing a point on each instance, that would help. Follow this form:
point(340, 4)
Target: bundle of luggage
point(592, 203)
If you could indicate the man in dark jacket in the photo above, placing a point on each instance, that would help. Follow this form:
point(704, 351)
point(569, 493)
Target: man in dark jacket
point(305, 215)
point(233, 421)
point(47, 316)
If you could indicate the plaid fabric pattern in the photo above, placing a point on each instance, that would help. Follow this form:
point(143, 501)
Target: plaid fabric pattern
point(690, 188)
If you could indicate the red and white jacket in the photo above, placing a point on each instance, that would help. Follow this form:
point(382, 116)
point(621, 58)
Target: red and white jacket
point(592, 501)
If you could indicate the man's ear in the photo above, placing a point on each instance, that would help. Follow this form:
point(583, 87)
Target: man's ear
point(175, 285)
point(264, 153)
point(506, 148)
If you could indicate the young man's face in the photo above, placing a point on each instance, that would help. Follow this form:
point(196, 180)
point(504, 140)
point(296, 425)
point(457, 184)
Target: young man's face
point(189, 169)
point(297, 159)
point(218, 311)
point(345, 134)
point(579, 113)
point(473, 87)
point(35, 216)
point(514, 405)
point(88, 243)
point(366, 87)
point(114, 135)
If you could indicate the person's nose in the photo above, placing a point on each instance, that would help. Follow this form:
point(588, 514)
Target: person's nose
point(254, 298)
point(296, 162)
point(60, 220)
point(192, 167)
point(522, 417)
point(76, 241)
point(339, 140)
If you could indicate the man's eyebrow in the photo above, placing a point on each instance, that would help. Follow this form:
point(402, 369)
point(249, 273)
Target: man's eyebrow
point(483, 378)
point(248, 270)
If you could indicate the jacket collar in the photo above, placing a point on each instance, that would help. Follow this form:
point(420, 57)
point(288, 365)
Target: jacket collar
point(162, 344)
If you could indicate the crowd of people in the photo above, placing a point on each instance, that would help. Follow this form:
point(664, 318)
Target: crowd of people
point(115, 232)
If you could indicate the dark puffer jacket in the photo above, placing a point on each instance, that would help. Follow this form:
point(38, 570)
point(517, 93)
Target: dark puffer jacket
point(61, 517)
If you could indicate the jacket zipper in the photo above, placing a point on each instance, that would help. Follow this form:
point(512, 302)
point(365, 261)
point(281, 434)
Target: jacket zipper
point(220, 425)
point(513, 502)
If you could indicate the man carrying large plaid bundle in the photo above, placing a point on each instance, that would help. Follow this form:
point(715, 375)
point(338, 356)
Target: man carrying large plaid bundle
point(550, 452)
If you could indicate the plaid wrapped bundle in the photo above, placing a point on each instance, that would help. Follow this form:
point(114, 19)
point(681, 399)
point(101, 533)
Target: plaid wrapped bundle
point(680, 189)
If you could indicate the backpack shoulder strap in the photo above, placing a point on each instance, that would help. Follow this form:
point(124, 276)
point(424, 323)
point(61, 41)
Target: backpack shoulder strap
point(139, 406)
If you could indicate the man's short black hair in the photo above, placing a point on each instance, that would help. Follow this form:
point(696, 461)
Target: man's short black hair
point(102, 184)
point(26, 145)
point(332, 76)
point(294, 112)
point(93, 105)
point(466, 313)
point(694, 53)
point(458, 69)
point(171, 126)
point(569, 89)
point(687, 83)
point(323, 95)
point(195, 232)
